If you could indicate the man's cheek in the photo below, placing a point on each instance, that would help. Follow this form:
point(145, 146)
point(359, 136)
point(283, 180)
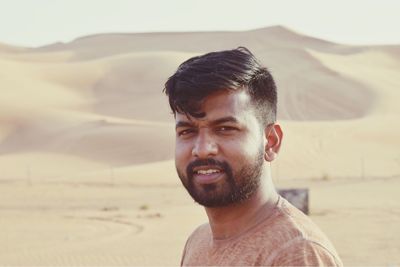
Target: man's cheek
point(180, 163)
point(182, 152)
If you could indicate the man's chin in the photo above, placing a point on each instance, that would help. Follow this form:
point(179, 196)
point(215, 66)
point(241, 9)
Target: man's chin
point(212, 201)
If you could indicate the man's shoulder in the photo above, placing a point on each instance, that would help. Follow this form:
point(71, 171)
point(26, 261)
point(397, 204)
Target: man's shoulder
point(290, 230)
point(303, 252)
point(298, 251)
point(289, 223)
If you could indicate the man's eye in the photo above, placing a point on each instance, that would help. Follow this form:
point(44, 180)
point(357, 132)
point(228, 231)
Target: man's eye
point(225, 129)
point(185, 132)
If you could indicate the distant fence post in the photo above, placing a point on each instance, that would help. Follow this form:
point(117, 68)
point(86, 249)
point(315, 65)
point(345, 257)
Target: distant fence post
point(362, 168)
point(112, 175)
point(298, 197)
point(28, 175)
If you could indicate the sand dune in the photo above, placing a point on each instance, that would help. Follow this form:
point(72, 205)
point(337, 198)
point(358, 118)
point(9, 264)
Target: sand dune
point(277, 37)
point(126, 77)
point(4, 48)
point(86, 143)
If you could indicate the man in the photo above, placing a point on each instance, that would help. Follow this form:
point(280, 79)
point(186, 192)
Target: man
point(224, 105)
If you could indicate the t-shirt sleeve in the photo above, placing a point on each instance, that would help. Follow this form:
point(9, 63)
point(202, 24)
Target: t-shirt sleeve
point(305, 252)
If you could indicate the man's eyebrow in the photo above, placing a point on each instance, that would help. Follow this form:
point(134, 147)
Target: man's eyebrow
point(183, 124)
point(214, 122)
point(224, 120)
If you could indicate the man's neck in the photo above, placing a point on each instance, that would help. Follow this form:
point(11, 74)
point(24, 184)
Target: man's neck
point(236, 218)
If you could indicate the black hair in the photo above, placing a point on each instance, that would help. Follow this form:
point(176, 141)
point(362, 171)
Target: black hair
point(236, 69)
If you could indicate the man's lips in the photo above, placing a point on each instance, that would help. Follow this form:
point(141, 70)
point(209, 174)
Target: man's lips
point(205, 168)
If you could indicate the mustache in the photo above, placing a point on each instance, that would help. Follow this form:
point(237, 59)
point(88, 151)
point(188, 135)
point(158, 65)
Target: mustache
point(207, 162)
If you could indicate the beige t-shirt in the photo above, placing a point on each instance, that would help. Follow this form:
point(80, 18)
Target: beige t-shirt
point(284, 236)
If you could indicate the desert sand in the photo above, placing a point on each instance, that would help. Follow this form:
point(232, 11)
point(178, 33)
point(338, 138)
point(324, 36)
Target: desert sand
point(86, 145)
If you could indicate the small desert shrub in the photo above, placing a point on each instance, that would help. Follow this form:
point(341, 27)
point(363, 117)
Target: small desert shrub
point(144, 207)
point(325, 177)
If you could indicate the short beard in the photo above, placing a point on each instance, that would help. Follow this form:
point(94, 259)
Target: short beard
point(237, 188)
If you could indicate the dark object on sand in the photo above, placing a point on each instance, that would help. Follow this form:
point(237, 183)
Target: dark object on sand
point(298, 197)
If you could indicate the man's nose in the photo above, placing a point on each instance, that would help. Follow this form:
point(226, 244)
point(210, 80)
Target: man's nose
point(204, 146)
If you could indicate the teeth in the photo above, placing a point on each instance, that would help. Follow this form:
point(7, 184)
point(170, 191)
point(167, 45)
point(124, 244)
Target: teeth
point(207, 171)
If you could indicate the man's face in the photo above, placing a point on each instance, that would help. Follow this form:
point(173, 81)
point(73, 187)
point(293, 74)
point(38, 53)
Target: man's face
point(219, 157)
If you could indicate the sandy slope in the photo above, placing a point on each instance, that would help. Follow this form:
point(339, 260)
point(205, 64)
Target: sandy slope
point(86, 145)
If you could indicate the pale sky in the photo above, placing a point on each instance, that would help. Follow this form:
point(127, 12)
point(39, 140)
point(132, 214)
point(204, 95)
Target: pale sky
point(40, 22)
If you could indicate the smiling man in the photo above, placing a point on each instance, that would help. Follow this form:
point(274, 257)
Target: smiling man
point(224, 105)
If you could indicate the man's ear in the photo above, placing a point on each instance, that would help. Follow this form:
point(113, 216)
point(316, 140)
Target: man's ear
point(273, 135)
